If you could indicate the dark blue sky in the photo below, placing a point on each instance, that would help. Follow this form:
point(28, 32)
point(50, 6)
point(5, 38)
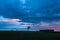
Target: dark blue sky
point(30, 10)
point(43, 12)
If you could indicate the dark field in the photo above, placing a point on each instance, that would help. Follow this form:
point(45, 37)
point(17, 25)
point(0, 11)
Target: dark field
point(29, 35)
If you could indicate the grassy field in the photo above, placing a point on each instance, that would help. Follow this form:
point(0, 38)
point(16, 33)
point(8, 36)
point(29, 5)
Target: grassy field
point(25, 35)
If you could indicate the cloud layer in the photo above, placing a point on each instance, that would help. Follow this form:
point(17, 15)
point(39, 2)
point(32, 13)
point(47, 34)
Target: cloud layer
point(17, 24)
point(41, 14)
point(32, 10)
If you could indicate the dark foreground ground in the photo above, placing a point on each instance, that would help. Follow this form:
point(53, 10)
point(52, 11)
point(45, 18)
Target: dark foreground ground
point(25, 35)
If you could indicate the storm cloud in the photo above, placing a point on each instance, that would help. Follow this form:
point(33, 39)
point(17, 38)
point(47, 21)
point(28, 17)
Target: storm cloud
point(30, 11)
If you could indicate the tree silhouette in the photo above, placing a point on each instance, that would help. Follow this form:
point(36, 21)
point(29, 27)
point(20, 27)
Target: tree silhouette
point(28, 28)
